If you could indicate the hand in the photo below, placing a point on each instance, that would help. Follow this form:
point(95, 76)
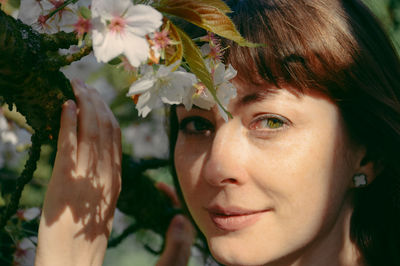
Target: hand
point(180, 235)
point(85, 184)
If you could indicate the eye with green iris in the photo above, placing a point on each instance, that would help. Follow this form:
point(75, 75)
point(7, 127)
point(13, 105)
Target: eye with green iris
point(272, 123)
point(269, 122)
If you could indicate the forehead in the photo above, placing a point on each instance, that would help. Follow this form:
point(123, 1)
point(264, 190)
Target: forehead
point(249, 92)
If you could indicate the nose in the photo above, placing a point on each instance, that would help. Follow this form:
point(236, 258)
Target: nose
point(226, 160)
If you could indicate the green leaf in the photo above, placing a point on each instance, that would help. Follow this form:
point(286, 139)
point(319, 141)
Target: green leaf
point(221, 5)
point(182, 12)
point(212, 17)
point(193, 57)
point(195, 60)
point(177, 54)
point(85, 12)
point(115, 61)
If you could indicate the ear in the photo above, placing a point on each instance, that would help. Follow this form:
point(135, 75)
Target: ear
point(367, 166)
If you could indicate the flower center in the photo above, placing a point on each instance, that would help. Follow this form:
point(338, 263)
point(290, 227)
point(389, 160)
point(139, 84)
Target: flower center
point(82, 26)
point(200, 89)
point(42, 19)
point(161, 39)
point(117, 25)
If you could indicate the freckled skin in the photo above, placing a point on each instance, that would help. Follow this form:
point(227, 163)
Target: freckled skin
point(301, 171)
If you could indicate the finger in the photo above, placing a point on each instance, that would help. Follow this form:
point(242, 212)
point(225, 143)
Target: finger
point(179, 239)
point(170, 192)
point(104, 119)
point(108, 161)
point(109, 146)
point(67, 139)
point(88, 133)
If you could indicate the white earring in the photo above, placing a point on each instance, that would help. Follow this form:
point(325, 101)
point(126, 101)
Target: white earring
point(360, 180)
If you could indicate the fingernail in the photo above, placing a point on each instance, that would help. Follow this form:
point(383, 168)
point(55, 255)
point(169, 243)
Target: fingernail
point(70, 104)
point(178, 223)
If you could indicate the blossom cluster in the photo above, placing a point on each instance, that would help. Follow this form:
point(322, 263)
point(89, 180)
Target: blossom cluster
point(139, 37)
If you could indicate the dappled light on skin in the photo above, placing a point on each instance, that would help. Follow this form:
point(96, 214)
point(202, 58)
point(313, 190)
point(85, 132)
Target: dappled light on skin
point(88, 162)
point(95, 216)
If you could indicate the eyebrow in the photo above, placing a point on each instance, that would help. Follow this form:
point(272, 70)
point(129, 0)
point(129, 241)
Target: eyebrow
point(253, 97)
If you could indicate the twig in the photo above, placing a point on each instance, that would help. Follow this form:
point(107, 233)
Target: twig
point(26, 176)
point(130, 230)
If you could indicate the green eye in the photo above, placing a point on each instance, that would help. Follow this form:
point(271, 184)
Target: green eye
point(272, 123)
point(268, 122)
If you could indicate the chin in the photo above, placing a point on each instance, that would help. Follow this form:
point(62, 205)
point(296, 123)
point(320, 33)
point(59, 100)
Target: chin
point(234, 254)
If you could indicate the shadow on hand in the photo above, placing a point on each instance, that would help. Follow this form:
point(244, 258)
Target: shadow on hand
point(89, 194)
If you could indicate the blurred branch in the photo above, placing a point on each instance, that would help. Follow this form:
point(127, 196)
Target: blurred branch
point(127, 232)
point(17, 118)
point(26, 176)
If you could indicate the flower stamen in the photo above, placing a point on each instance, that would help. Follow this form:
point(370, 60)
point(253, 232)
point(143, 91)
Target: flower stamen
point(117, 25)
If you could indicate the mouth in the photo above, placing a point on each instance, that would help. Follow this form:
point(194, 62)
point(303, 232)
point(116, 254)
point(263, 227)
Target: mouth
point(233, 218)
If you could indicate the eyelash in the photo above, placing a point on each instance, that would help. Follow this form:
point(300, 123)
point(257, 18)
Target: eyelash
point(183, 126)
point(202, 126)
point(267, 129)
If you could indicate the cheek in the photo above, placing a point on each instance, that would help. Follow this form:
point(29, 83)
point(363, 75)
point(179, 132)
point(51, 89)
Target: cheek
point(188, 165)
point(307, 178)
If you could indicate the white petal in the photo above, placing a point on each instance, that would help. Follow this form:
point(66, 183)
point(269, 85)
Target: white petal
point(99, 31)
point(140, 86)
point(111, 47)
point(163, 71)
point(222, 113)
point(230, 73)
point(183, 79)
point(225, 93)
point(29, 11)
point(205, 49)
point(108, 9)
point(67, 18)
point(9, 137)
point(219, 74)
point(171, 94)
point(204, 100)
point(136, 49)
point(187, 99)
point(31, 213)
point(141, 105)
point(143, 19)
point(146, 103)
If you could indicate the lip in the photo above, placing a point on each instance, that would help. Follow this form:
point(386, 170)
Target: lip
point(234, 218)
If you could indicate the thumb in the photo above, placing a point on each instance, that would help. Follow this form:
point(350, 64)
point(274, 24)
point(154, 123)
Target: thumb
point(179, 239)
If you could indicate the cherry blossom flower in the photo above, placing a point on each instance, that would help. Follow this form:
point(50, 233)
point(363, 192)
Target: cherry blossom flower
point(163, 85)
point(82, 26)
point(161, 39)
point(36, 14)
point(119, 27)
point(213, 48)
point(25, 252)
point(29, 214)
point(200, 96)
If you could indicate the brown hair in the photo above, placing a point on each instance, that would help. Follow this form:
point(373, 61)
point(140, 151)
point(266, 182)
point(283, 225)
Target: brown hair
point(339, 49)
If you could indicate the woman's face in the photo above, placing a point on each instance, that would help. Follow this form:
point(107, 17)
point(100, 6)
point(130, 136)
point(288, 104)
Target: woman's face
point(272, 184)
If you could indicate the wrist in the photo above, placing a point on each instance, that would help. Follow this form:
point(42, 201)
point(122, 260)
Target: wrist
point(67, 242)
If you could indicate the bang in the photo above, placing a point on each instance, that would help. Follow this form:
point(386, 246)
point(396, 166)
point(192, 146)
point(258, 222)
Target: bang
point(306, 44)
